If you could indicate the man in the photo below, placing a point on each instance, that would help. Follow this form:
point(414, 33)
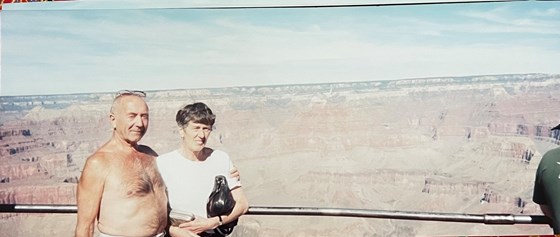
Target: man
point(120, 185)
point(547, 186)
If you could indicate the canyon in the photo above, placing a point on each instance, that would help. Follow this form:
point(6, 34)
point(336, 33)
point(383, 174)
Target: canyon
point(446, 145)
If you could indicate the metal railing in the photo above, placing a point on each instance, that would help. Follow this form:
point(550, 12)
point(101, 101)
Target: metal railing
point(493, 219)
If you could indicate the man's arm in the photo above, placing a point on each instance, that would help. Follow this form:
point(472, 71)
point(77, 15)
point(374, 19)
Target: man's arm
point(175, 231)
point(546, 211)
point(90, 191)
point(241, 205)
point(234, 173)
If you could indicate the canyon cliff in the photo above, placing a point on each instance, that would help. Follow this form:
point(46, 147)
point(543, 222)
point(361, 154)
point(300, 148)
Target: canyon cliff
point(450, 145)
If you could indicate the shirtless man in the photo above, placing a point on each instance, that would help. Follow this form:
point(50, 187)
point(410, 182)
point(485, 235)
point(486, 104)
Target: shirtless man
point(120, 185)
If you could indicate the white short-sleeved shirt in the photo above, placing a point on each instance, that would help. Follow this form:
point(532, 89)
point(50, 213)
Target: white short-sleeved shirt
point(189, 183)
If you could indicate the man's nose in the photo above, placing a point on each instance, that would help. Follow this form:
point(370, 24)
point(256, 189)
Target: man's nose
point(138, 121)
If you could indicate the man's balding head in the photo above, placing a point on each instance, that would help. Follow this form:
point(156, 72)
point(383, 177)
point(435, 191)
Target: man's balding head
point(129, 116)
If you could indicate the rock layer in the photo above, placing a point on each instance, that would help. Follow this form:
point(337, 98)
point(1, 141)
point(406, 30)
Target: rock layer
point(459, 145)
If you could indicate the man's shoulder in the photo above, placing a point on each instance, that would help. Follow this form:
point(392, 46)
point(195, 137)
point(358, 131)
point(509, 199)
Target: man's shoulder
point(101, 155)
point(100, 158)
point(552, 154)
point(549, 158)
point(147, 150)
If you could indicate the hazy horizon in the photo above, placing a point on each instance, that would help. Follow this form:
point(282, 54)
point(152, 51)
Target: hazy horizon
point(282, 85)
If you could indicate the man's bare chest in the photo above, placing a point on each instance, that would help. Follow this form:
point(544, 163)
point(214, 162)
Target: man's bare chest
point(135, 178)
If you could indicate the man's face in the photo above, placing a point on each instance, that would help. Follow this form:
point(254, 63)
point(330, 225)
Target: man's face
point(195, 135)
point(130, 119)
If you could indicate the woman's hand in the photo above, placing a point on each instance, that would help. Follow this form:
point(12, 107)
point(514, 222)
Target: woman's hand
point(234, 173)
point(200, 224)
point(175, 231)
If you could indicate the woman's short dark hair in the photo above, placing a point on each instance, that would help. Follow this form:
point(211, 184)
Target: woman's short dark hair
point(197, 113)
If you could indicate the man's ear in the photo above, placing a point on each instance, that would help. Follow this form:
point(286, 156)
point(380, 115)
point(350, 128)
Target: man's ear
point(113, 121)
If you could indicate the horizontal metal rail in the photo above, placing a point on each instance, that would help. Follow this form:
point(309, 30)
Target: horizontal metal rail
point(38, 208)
point(493, 219)
point(496, 219)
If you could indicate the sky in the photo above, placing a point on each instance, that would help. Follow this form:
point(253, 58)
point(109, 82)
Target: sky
point(104, 46)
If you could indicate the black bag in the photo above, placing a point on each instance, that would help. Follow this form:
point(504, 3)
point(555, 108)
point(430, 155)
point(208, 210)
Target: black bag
point(221, 202)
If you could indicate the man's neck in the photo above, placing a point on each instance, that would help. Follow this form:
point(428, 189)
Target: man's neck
point(123, 144)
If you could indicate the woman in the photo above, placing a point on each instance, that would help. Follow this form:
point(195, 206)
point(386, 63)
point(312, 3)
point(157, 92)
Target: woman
point(189, 174)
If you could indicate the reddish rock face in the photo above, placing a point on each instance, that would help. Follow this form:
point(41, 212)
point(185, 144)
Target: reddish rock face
point(453, 145)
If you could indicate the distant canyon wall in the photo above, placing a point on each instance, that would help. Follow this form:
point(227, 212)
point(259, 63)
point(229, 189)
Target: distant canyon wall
point(465, 144)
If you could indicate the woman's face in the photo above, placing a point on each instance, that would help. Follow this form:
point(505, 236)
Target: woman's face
point(195, 135)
